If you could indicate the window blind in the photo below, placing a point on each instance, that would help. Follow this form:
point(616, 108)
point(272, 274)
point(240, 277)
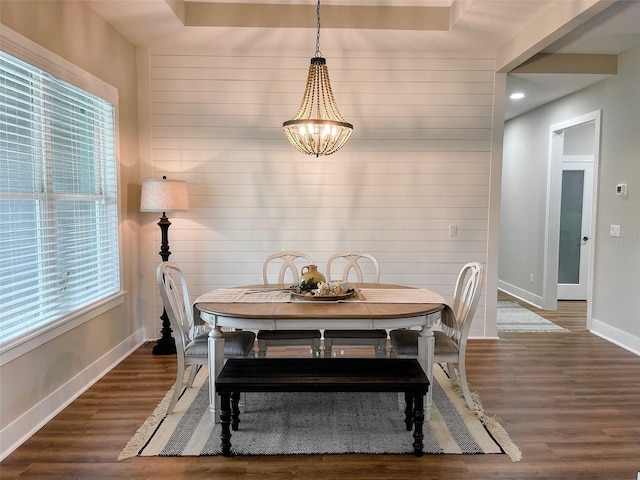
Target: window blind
point(58, 200)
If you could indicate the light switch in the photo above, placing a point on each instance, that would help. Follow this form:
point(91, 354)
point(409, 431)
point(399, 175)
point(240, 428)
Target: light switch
point(614, 230)
point(453, 230)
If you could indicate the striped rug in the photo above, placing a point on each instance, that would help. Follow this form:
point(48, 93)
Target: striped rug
point(514, 318)
point(320, 423)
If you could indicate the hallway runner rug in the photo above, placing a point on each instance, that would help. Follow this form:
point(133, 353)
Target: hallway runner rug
point(514, 318)
point(320, 423)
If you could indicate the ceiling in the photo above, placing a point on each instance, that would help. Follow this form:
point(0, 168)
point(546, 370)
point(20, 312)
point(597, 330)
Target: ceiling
point(359, 25)
point(612, 32)
point(482, 26)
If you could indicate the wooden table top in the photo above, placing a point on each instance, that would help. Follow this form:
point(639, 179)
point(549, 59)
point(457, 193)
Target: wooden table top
point(301, 309)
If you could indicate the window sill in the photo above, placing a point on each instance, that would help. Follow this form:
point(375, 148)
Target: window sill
point(23, 345)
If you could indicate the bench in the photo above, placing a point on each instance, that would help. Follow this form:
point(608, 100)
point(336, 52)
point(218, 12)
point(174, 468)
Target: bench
point(322, 375)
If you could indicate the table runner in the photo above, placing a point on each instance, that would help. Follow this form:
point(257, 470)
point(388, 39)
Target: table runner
point(244, 295)
point(369, 295)
point(400, 295)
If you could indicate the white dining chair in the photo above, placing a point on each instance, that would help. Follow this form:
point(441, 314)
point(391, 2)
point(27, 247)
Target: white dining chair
point(192, 348)
point(286, 264)
point(451, 343)
point(346, 264)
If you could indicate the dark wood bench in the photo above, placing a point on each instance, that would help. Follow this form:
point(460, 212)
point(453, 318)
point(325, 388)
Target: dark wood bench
point(322, 375)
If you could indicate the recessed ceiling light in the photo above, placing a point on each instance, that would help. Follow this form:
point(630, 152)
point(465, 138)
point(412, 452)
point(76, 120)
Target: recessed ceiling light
point(516, 96)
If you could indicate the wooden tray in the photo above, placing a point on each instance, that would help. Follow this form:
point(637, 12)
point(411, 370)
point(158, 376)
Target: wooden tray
point(323, 298)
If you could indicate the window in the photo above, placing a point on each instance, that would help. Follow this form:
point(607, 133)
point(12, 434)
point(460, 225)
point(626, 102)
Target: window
point(58, 200)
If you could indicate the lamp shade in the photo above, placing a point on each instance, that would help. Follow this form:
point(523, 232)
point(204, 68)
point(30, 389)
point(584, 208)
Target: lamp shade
point(164, 196)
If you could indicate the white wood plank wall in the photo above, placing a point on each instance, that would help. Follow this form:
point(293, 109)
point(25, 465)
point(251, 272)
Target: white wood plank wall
point(417, 162)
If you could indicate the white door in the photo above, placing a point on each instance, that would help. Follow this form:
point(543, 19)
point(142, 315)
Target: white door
point(575, 228)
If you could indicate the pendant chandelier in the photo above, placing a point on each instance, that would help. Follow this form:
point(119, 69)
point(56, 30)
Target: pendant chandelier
point(318, 128)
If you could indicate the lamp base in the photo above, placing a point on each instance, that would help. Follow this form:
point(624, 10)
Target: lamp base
point(166, 344)
point(165, 347)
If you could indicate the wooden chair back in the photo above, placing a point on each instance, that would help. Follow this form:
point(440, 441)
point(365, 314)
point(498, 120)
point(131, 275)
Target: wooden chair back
point(290, 262)
point(352, 262)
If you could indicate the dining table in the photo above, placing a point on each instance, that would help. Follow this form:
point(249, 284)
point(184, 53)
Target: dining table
point(368, 306)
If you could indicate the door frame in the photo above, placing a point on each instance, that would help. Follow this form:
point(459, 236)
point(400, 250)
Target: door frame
point(552, 217)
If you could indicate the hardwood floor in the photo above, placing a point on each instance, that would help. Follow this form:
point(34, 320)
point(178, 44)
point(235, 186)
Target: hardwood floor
point(571, 315)
point(570, 401)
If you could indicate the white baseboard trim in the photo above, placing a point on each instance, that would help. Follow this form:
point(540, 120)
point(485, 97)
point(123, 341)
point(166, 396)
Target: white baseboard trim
point(19, 431)
point(615, 335)
point(520, 294)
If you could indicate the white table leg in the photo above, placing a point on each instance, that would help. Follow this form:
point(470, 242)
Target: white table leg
point(426, 345)
point(216, 361)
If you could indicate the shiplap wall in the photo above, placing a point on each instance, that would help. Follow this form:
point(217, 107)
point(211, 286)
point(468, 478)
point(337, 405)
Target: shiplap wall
point(417, 162)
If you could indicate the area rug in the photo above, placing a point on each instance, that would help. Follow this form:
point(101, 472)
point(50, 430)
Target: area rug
point(515, 318)
point(320, 423)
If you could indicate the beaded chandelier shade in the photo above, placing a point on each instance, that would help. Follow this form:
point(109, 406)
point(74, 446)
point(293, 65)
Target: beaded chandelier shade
point(318, 128)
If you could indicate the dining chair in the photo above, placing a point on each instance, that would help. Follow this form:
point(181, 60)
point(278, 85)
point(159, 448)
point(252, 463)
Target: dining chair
point(352, 262)
point(451, 343)
point(286, 265)
point(192, 348)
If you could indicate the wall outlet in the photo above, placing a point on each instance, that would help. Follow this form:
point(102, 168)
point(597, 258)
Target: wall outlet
point(531, 278)
point(614, 230)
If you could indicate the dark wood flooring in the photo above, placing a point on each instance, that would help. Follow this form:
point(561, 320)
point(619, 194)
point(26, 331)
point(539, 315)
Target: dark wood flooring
point(570, 401)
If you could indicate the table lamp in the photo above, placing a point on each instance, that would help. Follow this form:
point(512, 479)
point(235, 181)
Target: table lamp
point(164, 196)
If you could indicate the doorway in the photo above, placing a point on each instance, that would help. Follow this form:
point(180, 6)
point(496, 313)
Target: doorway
point(570, 219)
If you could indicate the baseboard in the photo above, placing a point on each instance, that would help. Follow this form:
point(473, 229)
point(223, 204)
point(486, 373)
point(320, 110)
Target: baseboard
point(615, 335)
point(19, 431)
point(520, 294)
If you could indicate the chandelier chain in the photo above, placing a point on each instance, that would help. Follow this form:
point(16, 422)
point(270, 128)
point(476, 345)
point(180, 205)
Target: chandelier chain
point(318, 53)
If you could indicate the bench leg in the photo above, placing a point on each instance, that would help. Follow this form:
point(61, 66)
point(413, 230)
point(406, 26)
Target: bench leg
point(418, 420)
point(262, 348)
point(235, 411)
point(225, 420)
point(408, 410)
